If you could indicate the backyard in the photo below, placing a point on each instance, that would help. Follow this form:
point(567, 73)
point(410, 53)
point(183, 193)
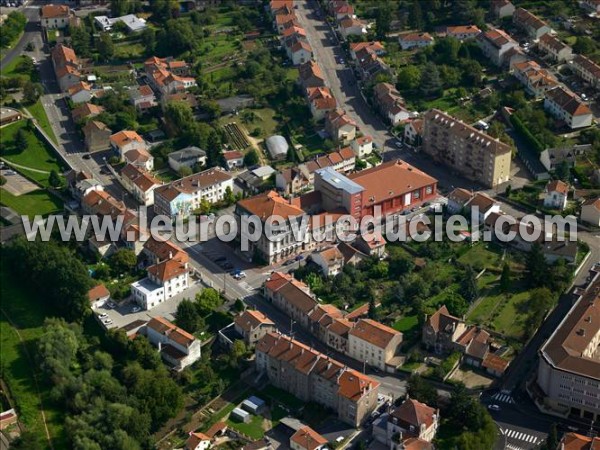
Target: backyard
point(39, 202)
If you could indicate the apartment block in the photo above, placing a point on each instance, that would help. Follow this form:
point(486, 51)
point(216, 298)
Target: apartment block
point(476, 155)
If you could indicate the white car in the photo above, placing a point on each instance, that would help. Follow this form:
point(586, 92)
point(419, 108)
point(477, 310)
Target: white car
point(494, 407)
point(107, 322)
point(136, 309)
point(584, 97)
point(103, 316)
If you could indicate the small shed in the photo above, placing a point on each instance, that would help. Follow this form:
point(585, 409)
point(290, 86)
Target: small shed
point(253, 405)
point(277, 147)
point(240, 415)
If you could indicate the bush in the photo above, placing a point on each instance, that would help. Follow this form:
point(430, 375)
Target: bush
point(526, 134)
point(2, 180)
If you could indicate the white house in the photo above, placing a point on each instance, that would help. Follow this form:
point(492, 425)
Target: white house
point(555, 195)
point(495, 44)
point(197, 441)
point(142, 97)
point(233, 159)
point(502, 8)
point(307, 439)
point(321, 102)
point(558, 50)
point(98, 295)
point(330, 261)
point(165, 280)
point(537, 81)
point(126, 140)
point(80, 92)
point(463, 32)
point(590, 211)
point(54, 16)
point(587, 69)
point(349, 26)
point(413, 132)
point(176, 346)
point(187, 157)
point(140, 184)
point(530, 23)
point(362, 146)
point(485, 204)
point(415, 40)
point(374, 343)
point(566, 106)
point(412, 422)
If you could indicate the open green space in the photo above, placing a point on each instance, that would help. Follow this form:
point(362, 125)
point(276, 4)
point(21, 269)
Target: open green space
point(39, 113)
point(39, 202)
point(253, 429)
point(22, 315)
point(407, 323)
point(38, 155)
point(11, 69)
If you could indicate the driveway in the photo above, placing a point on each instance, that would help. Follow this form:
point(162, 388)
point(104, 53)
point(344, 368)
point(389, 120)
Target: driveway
point(339, 78)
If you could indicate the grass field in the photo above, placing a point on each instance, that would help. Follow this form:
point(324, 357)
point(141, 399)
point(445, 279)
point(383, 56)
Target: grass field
point(38, 112)
point(37, 202)
point(20, 309)
point(252, 429)
point(37, 155)
point(407, 323)
point(10, 70)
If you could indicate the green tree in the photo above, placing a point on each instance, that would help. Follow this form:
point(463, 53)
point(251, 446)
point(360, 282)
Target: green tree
point(505, 281)
point(251, 158)
point(54, 179)
point(149, 40)
point(409, 77)
point(537, 267)
point(552, 440)
point(229, 196)
point(468, 286)
point(208, 300)
point(372, 313)
point(187, 316)
point(123, 261)
point(163, 10)
point(415, 18)
point(446, 50)
point(422, 390)
point(584, 45)
point(238, 351)
point(563, 171)
point(105, 47)
point(431, 83)
point(21, 140)
point(120, 7)
point(383, 21)
point(81, 40)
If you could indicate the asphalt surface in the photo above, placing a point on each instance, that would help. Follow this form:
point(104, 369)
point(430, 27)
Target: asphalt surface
point(31, 30)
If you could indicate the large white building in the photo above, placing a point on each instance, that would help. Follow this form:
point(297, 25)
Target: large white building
point(373, 343)
point(164, 281)
point(569, 364)
point(176, 346)
point(181, 197)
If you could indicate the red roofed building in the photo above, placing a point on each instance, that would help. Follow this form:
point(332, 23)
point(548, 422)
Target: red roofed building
point(54, 16)
point(409, 41)
point(307, 439)
point(197, 441)
point(574, 441)
point(556, 193)
point(413, 423)
point(176, 346)
point(98, 295)
point(568, 108)
point(374, 343)
point(66, 67)
point(126, 140)
point(463, 32)
point(587, 69)
point(340, 126)
point(253, 325)
point(312, 376)
point(321, 102)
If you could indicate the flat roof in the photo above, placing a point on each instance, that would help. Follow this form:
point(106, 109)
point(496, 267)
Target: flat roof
point(339, 181)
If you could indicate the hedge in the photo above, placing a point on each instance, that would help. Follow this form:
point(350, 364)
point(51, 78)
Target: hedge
point(526, 134)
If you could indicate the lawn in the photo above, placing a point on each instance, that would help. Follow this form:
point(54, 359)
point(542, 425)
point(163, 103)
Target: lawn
point(218, 47)
point(253, 429)
point(33, 203)
point(129, 50)
point(481, 256)
point(38, 155)
point(39, 113)
point(10, 69)
point(405, 324)
point(17, 359)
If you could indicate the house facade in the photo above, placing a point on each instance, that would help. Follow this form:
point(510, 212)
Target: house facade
point(530, 23)
point(586, 69)
point(140, 184)
point(590, 211)
point(374, 343)
point(96, 136)
point(54, 17)
point(495, 45)
point(557, 50)
point(567, 107)
point(164, 281)
point(555, 195)
point(410, 41)
point(176, 346)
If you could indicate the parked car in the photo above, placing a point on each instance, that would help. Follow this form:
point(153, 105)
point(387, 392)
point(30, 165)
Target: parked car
point(103, 316)
point(494, 407)
point(107, 322)
point(289, 262)
point(136, 309)
point(299, 258)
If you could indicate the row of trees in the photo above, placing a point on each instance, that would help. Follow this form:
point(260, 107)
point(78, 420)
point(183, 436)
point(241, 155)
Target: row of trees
point(12, 28)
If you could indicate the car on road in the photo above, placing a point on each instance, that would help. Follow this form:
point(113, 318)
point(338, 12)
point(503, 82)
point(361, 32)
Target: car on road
point(10, 172)
point(136, 309)
point(239, 275)
point(289, 262)
point(494, 407)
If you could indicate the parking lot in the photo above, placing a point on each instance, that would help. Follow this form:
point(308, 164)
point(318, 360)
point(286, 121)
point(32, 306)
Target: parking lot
point(17, 184)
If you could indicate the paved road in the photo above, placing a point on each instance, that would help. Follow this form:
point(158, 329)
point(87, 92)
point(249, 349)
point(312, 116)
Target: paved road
point(339, 78)
point(31, 30)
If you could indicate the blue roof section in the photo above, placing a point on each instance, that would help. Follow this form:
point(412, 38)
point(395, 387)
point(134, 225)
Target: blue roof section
point(256, 401)
point(339, 181)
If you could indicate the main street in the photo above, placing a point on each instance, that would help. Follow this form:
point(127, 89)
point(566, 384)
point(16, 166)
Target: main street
point(340, 79)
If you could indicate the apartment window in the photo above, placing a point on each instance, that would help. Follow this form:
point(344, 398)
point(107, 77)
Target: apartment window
point(428, 190)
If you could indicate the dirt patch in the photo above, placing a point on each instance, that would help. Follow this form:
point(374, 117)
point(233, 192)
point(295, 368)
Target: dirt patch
point(471, 379)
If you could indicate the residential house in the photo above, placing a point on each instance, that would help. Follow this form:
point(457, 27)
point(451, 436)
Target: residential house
point(502, 8)
point(281, 20)
point(233, 159)
point(362, 146)
point(586, 69)
point(372, 244)
point(298, 49)
point(537, 81)
point(555, 48)
point(310, 75)
point(198, 441)
point(81, 183)
point(293, 180)
point(462, 147)
point(412, 425)
point(86, 111)
point(495, 44)
point(134, 238)
point(98, 296)
point(374, 343)
point(96, 136)
point(142, 97)
point(575, 441)
point(555, 195)
point(312, 376)
point(568, 108)
point(101, 203)
point(66, 67)
point(342, 9)
point(80, 92)
point(409, 41)
point(330, 261)
point(252, 325)
point(458, 200)
point(189, 157)
point(307, 439)
point(349, 26)
point(321, 102)
point(442, 331)
point(54, 17)
point(126, 140)
point(390, 103)
point(485, 205)
point(369, 65)
point(140, 158)
point(156, 251)
point(590, 211)
point(168, 76)
point(178, 347)
point(140, 184)
point(463, 32)
point(132, 23)
point(101, 245)
point(476, 346)
point(591, 5)
point(184, 97)
point(163, 281)
point(291, 296)
point(413, 132)
point(181, 197)
point(340, 127)
point(375, 47)
point(530, 23)
point(551, 158)
point(568, 379)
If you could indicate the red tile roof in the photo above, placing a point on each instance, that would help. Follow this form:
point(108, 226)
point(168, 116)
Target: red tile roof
point(98, 292)
point(172, 332)
point(54, 11)
point(270, 204)
point(374, 333)
point(308, 439)
point(250, 319)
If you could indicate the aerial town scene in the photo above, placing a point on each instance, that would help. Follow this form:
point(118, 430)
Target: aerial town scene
point(300, 224)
